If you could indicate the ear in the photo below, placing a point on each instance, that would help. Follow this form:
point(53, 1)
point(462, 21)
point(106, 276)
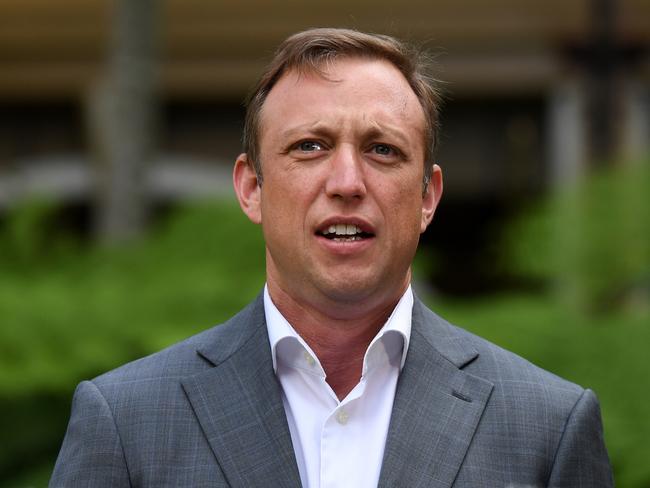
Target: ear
point(247, 189)
point(431, 198)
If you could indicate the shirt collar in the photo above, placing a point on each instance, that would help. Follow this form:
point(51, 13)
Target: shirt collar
point(389, 344)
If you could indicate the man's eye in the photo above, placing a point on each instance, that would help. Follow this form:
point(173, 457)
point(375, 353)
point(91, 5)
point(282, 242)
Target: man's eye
point(309, 146)
point(383, 149)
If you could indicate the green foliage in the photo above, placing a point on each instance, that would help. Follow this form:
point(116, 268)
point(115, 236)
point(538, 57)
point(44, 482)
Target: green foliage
point(70, 315)
point(593, 242)
point(27, 238)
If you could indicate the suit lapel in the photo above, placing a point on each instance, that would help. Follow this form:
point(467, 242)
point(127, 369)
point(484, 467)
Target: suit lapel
point(238, 403)
point(436, 410)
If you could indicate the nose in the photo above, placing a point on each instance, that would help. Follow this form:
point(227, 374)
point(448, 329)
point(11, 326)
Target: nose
point(346, 178)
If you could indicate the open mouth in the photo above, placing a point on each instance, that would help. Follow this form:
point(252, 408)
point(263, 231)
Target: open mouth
point(344, 233)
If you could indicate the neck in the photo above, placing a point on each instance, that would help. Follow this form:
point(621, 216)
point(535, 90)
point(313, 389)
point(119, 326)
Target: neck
point(339, 343)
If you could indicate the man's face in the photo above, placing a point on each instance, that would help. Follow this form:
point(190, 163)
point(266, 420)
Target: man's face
point(341, 203)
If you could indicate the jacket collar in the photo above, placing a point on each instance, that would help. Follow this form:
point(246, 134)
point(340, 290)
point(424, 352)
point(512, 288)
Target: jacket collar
point(436, 410)
point(238, 403)
point(437, 407)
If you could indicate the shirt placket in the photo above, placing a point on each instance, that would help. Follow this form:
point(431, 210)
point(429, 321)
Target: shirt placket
point(340, 447)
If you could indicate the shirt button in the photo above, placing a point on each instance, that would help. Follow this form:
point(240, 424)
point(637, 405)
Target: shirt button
point(342, 417)
point(310, 360)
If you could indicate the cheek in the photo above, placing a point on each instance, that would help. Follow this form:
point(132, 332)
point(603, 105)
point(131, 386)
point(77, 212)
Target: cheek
point(276, 215)
point(406, 210)
point(295, 189)
point(284, 209)
point(410, 193)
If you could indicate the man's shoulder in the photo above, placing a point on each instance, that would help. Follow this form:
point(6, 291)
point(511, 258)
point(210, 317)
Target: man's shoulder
point(185, 358)
point(176, 360)
point(540, 428)
point(505, 369)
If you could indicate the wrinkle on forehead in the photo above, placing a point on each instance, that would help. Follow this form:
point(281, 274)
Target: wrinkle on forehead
point(392, 102)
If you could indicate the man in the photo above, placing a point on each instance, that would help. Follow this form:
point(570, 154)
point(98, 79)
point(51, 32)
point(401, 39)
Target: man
point(336, 375)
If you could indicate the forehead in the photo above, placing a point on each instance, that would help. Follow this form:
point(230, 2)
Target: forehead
point(347, 88)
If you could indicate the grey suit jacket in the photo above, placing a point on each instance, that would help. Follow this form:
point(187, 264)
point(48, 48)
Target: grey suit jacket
point(208, 412)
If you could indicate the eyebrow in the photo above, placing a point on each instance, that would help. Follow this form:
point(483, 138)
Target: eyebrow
point(317, 128)
point(378, 130)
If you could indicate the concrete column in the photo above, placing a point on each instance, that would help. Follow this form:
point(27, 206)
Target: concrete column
point(567, 132)
point(635, 128)
point(568, 153)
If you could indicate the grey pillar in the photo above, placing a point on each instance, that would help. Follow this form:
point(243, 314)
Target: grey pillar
point(567, 133)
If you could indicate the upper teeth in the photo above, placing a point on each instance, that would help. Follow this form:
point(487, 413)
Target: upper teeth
point(343, 229)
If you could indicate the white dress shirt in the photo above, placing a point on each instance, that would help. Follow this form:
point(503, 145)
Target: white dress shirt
point(339, 443)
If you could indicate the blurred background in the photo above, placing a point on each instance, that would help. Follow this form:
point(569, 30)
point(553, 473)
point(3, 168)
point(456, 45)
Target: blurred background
point(119, 232)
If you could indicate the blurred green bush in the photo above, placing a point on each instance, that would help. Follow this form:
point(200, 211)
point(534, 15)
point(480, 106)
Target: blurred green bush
point(591, 243)
point(68, 312)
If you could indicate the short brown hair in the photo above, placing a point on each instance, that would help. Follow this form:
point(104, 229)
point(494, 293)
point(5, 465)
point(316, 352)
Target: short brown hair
point(307, 51)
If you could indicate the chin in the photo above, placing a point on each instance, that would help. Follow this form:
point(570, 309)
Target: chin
point(351, 289)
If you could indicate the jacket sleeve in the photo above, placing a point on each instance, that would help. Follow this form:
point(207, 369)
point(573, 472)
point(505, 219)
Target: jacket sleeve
point(91, 454)
point(581, 458)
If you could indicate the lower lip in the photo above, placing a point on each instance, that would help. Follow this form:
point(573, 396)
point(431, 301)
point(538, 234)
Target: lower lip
point(345, 247)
